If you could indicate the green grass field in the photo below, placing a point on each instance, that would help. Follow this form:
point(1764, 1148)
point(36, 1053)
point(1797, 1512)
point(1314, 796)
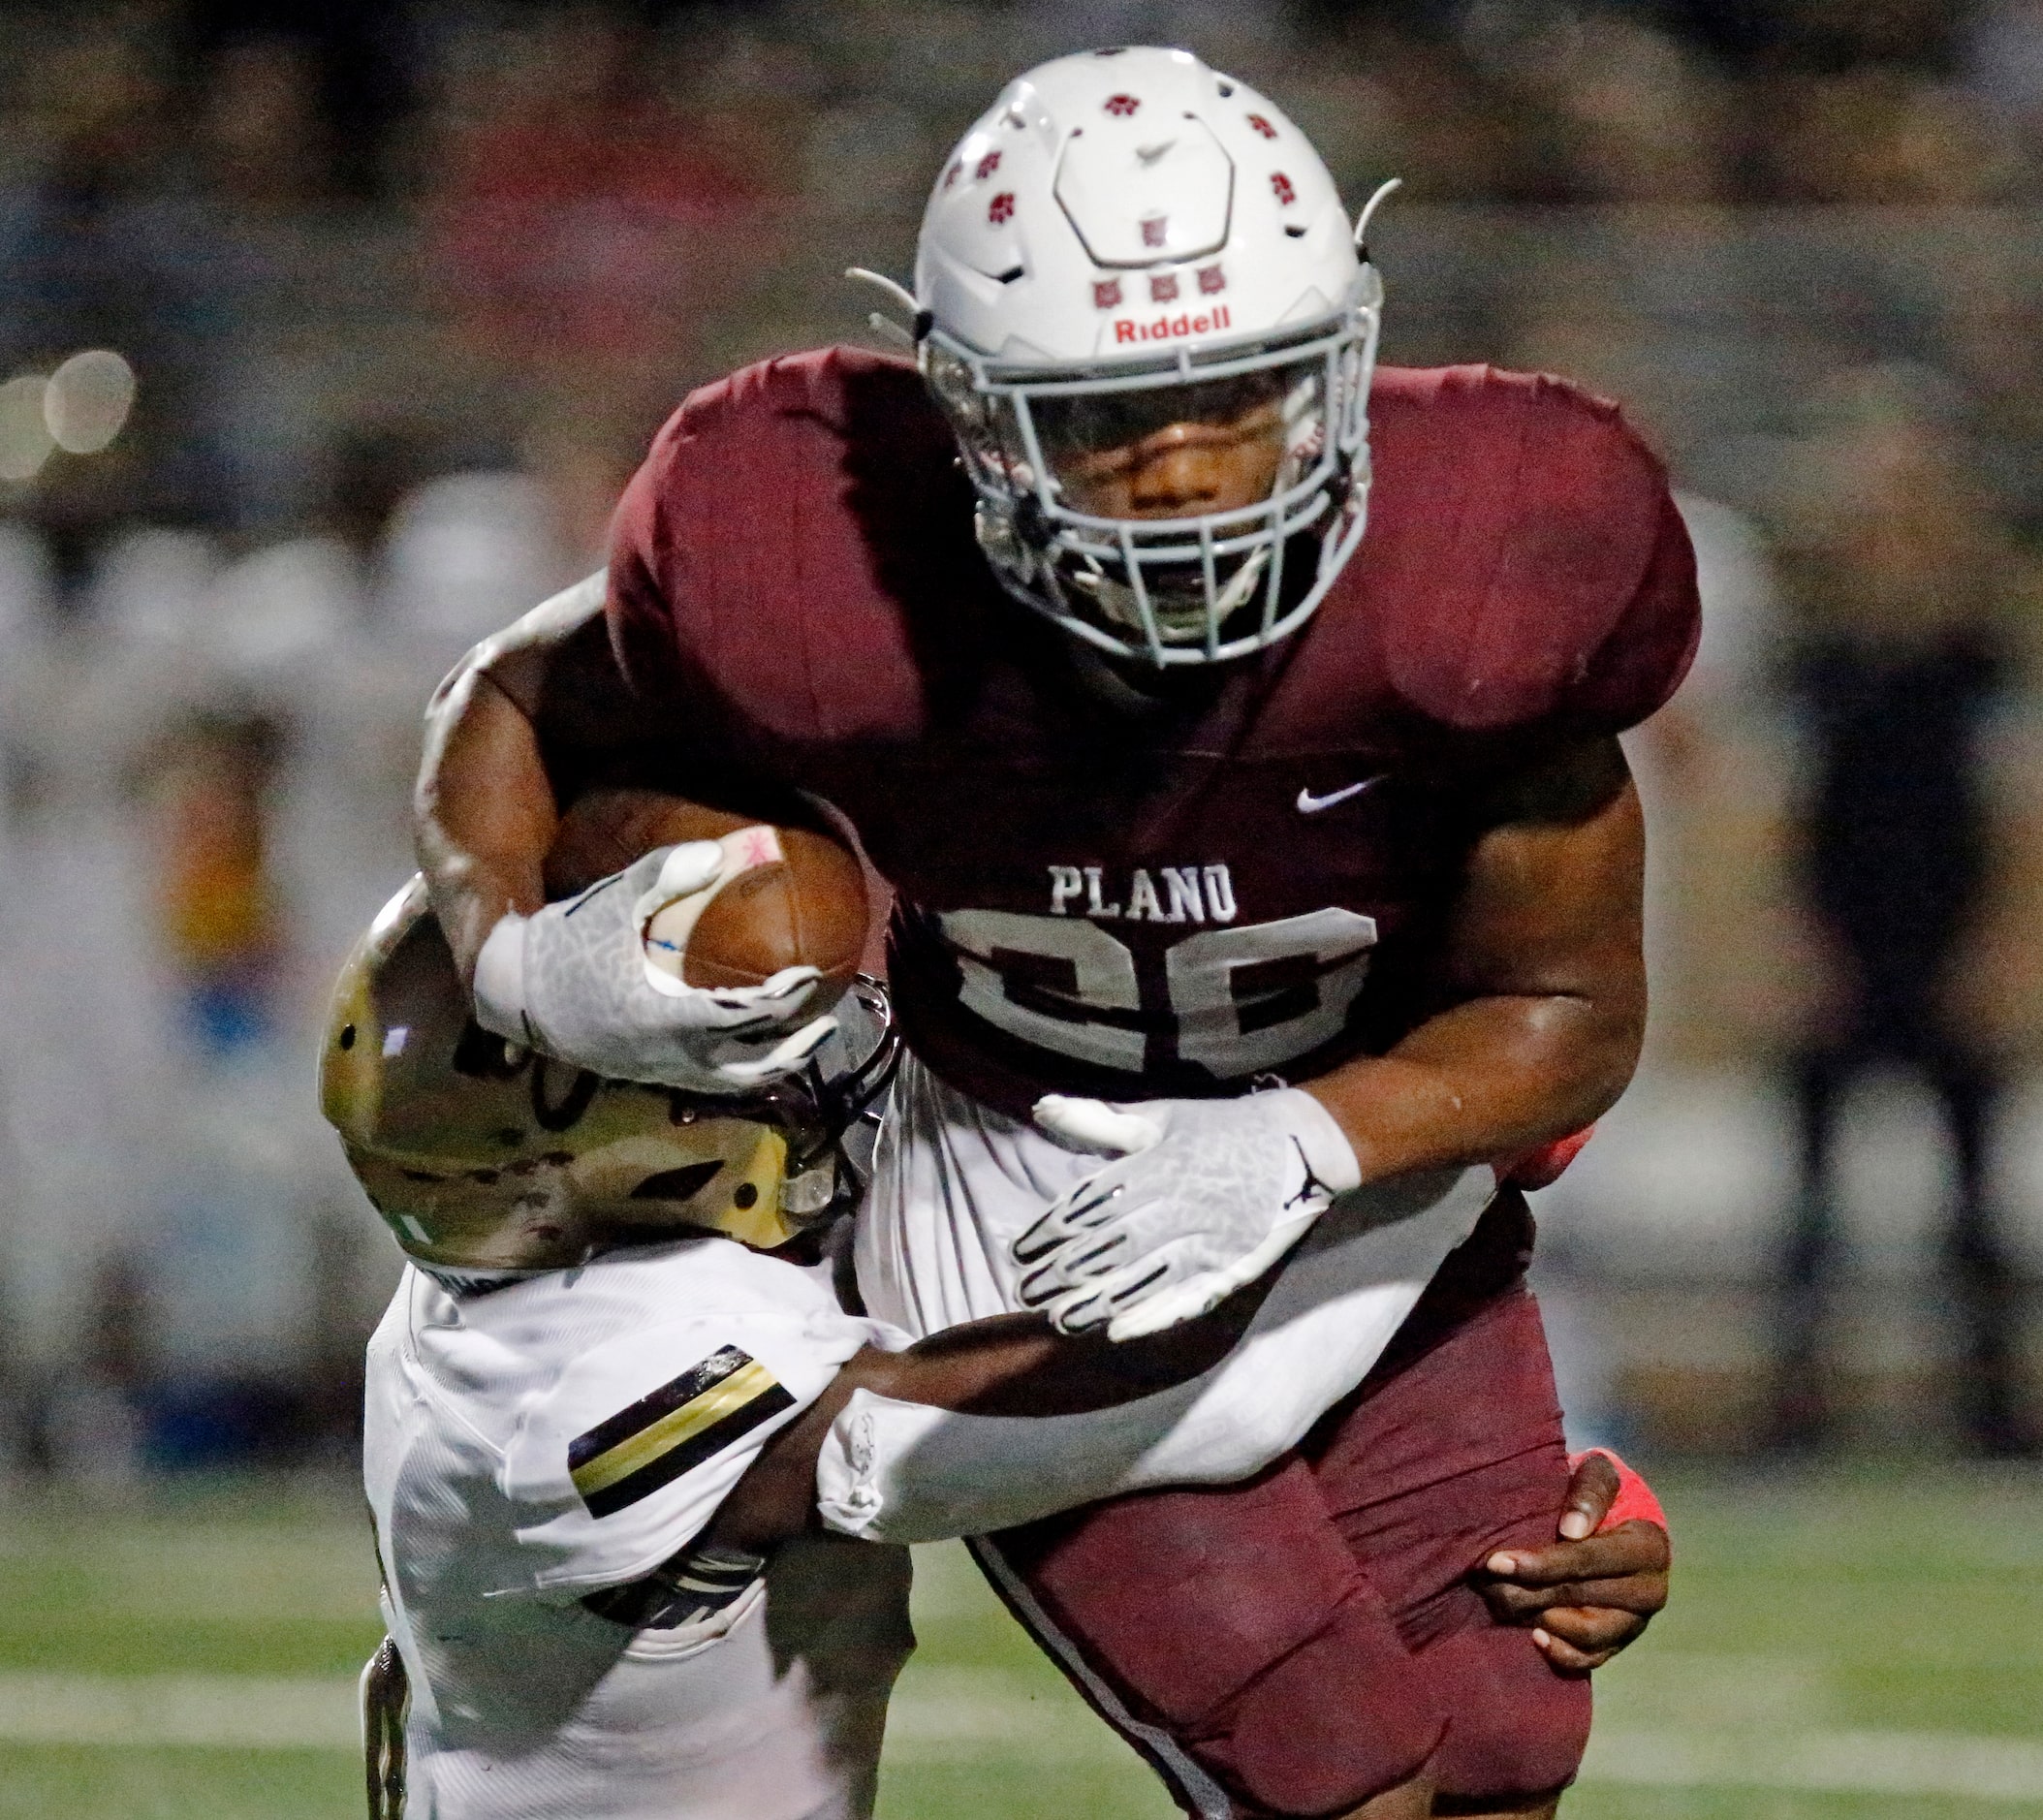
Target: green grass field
point(1857, 1644)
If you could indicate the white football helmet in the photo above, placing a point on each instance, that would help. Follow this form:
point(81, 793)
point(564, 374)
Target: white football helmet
point(1129, 240)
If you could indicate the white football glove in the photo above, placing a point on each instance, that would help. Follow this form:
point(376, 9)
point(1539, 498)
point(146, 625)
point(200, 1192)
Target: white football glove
point(1207, 1195)
point(573, 981)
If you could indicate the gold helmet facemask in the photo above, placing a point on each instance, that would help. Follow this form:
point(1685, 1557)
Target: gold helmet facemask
point(485, 1158)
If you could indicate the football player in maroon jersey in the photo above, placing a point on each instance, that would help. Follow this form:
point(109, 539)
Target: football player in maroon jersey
point(1269, 889)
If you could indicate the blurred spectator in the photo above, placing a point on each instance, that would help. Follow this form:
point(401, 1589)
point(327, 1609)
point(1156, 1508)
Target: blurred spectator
point(1881, 135)
point(355, 56)
point(586, 226)
point(216, 902)
point(230, 1251)
point(1623, 110)
point(1905, 651)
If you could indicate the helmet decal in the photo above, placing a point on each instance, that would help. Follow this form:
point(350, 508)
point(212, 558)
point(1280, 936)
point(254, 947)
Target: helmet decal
point(1121, 106)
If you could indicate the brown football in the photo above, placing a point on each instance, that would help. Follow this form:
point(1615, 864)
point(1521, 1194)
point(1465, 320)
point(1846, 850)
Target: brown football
point(798, 901)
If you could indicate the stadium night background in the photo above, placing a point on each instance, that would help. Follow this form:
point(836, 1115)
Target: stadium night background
point(327, 337)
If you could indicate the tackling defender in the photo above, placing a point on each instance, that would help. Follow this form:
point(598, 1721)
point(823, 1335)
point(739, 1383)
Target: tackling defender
point(1263, 802)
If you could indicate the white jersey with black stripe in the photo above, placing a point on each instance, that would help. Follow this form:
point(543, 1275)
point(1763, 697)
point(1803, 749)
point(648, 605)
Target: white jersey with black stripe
point(536, 1443)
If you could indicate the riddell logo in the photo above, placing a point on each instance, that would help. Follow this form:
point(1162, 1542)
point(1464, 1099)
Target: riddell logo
point(1170, 327)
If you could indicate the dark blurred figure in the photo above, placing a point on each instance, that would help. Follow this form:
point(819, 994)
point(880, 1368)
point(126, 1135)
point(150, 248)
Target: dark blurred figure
point(357, 54)
point(1893, 682)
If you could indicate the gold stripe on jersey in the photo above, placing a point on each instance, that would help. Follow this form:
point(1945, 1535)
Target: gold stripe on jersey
point(680, 1424)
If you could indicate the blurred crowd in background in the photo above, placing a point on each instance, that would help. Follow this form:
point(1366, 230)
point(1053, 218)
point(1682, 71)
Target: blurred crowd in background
point(329, 332)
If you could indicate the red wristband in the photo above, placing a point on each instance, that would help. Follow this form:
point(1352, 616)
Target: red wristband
point(1634, 1497)
point(1538, 1168)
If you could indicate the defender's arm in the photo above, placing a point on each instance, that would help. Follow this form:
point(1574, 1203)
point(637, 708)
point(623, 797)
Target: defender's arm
point(1009, 1365)
point(1593, 1590)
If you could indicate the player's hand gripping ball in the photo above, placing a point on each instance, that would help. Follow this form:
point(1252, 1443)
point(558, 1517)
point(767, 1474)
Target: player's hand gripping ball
point(782, 897)
point(1206, 1196)
point(708, 964)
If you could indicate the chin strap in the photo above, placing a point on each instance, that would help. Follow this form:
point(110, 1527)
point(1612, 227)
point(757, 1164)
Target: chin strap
point(1116, 600)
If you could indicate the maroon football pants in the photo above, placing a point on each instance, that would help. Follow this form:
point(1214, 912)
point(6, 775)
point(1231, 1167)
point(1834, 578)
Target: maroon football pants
point(1296, 1643)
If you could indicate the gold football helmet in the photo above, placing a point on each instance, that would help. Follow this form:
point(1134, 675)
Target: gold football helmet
point(485, 1157)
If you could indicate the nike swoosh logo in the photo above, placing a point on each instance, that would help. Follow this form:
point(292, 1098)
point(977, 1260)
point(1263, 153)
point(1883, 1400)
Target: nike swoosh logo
point(1309, 804)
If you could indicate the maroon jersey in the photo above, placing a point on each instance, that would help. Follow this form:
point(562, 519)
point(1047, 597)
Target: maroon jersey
point(1122, 894)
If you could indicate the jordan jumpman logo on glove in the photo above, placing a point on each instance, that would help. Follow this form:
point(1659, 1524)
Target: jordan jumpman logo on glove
point(1205, 1196)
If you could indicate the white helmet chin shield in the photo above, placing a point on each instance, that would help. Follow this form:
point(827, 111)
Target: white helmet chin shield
point(1130, 246)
